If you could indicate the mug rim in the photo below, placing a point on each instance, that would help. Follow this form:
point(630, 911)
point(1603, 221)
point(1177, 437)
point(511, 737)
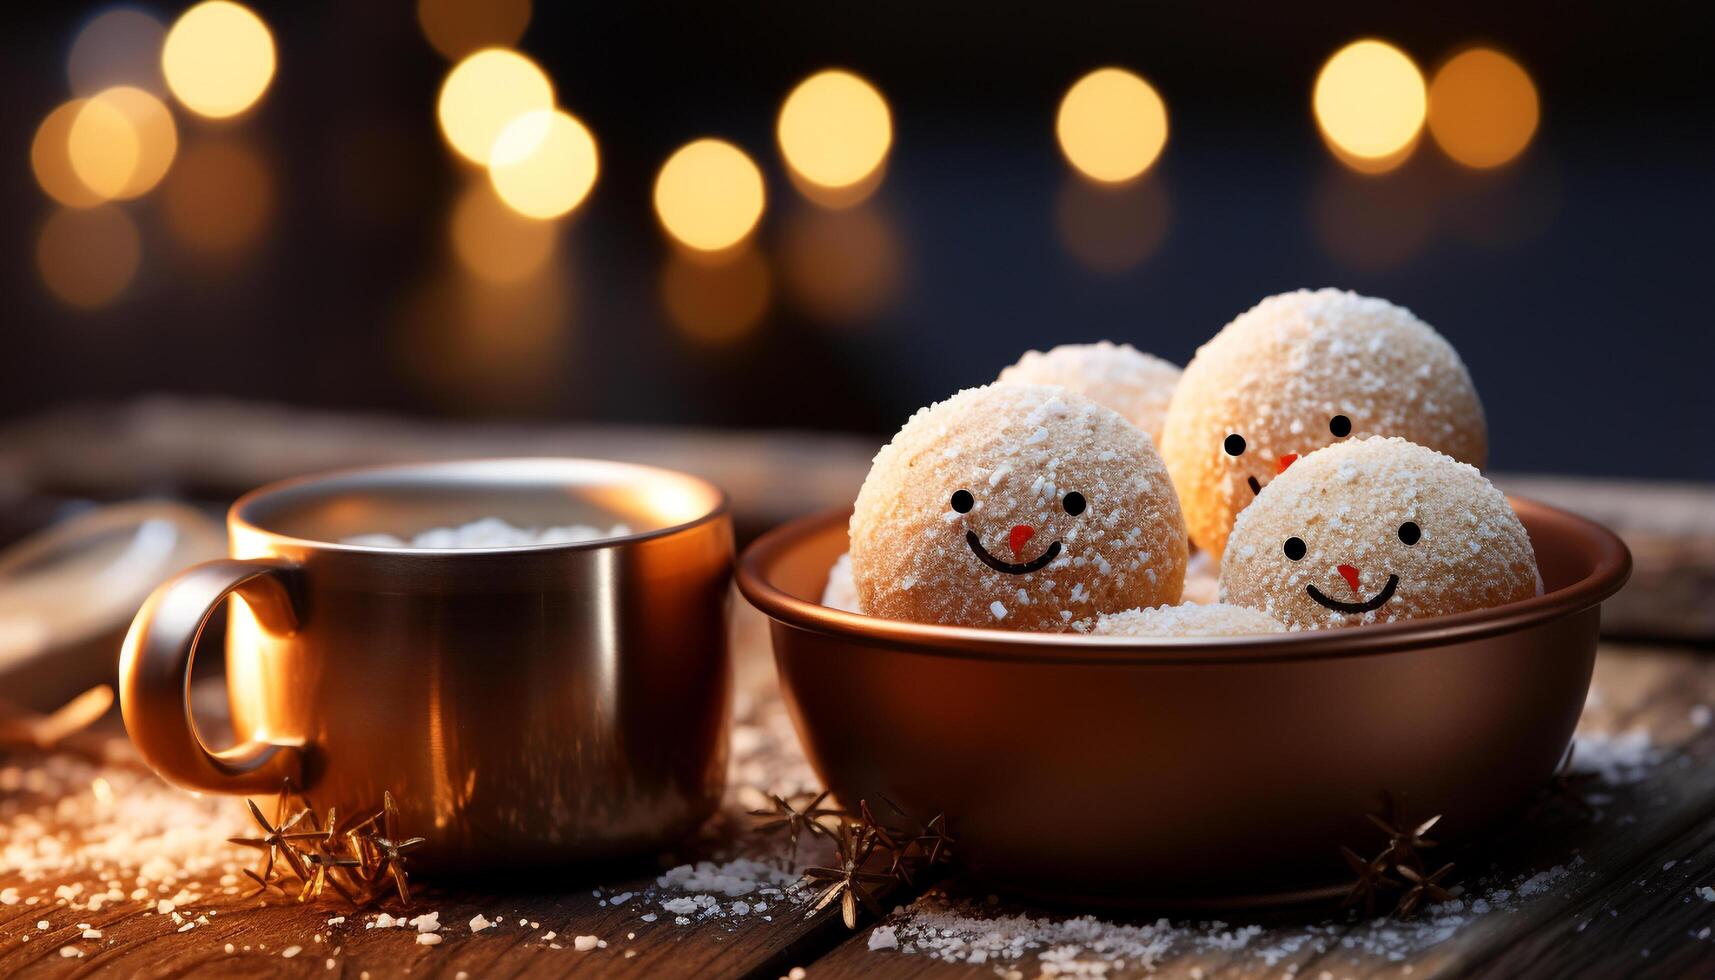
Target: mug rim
point(239, 516)
point(755, 574)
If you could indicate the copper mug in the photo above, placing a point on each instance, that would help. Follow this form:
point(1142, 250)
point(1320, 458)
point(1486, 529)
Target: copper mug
point(548, 703)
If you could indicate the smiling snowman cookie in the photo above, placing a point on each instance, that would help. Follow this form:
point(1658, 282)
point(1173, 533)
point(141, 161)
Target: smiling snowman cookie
point(1373, 531)
point(1019, 507)
point(1300, 371)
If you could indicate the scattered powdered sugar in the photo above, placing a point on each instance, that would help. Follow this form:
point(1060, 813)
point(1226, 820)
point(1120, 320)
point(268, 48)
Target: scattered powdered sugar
point(705, 891)
point(490, 532)
point(1620, 760)
point(841, 592)
point(978, 934)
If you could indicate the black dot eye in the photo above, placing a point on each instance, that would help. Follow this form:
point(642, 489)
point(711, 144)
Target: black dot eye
point(1295, 548)
point(1409, 532)
point(1235, 445)
point(1074, 503)
point(1341, 426)
point(963, 501)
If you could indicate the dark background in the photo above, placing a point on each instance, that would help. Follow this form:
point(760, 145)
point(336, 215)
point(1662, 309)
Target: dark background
point(1575, 281)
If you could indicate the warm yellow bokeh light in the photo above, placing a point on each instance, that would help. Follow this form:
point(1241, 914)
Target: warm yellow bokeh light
point(1483, 108)
point(1112, 125)
point(219, 197)
point(218, 59)
point(495, 243)
point(709, 195)
point(543, 164)
point(122, 142)
point(485, 92)
point(50, 158)
point(1370, 103)
point(104, 147)
point(87, 257)
point(458, 27)
point(834, 129)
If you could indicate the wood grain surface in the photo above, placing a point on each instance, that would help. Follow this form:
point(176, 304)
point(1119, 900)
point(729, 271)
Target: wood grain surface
point(1628, 905)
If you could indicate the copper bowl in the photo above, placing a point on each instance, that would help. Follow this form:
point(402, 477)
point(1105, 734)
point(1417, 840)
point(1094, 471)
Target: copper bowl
point(1195, 772)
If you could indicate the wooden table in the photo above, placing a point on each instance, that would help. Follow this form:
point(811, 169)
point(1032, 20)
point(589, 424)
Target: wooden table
point(1612, 893)
point(1625, 899)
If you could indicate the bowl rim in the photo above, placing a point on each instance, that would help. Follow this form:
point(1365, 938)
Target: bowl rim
point(755, 566)
point(242, 516)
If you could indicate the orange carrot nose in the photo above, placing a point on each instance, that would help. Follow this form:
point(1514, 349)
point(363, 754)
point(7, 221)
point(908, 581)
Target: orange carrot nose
point(1020, 534)
point(1286, 461)
point(1350, 574)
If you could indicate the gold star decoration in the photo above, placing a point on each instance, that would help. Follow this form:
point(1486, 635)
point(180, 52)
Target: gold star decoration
point(1406, 841)
point(1423, 888)
point(273, 843)
point(782, 815)
point(870, 852)
point(360, 859)
point(391, 849)
point(1370, 878)
point(1403, 855)
point(849, 882)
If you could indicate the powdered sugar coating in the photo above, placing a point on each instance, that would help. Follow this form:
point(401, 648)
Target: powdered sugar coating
point(1281, 372)
point(1018, 450)
point(1187, 619)
point(841, 592)
point(1347, 504)
point(1125, 379)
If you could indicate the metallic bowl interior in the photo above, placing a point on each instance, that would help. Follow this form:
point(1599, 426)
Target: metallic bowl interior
point(1186, 773)
point(404, 500)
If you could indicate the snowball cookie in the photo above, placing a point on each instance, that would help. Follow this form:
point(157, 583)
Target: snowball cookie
point(1022, 507)
point(1187, 619)
point(1125, 379)
point(1376, 530)
point(1299, 371)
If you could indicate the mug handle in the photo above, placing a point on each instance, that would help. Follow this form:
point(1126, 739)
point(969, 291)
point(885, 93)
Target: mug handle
point(155, 676)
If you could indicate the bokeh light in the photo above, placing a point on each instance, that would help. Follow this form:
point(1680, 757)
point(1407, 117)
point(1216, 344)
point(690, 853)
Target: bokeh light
point(709, 195)
point(119, 46)
point(485, 92)
point(88, 256)
point(50, 158)
point(218, 58)
point(458, 27)
point(122, 142)
point(1112, 229)
point(543, 164)
point(104, 147)
point(495, 243)
point(834, 129)
point(841, 266)
point(1112, 125)
point(219, 197)
point(716, 303)
point(1370, 104)
point(1483, 108)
